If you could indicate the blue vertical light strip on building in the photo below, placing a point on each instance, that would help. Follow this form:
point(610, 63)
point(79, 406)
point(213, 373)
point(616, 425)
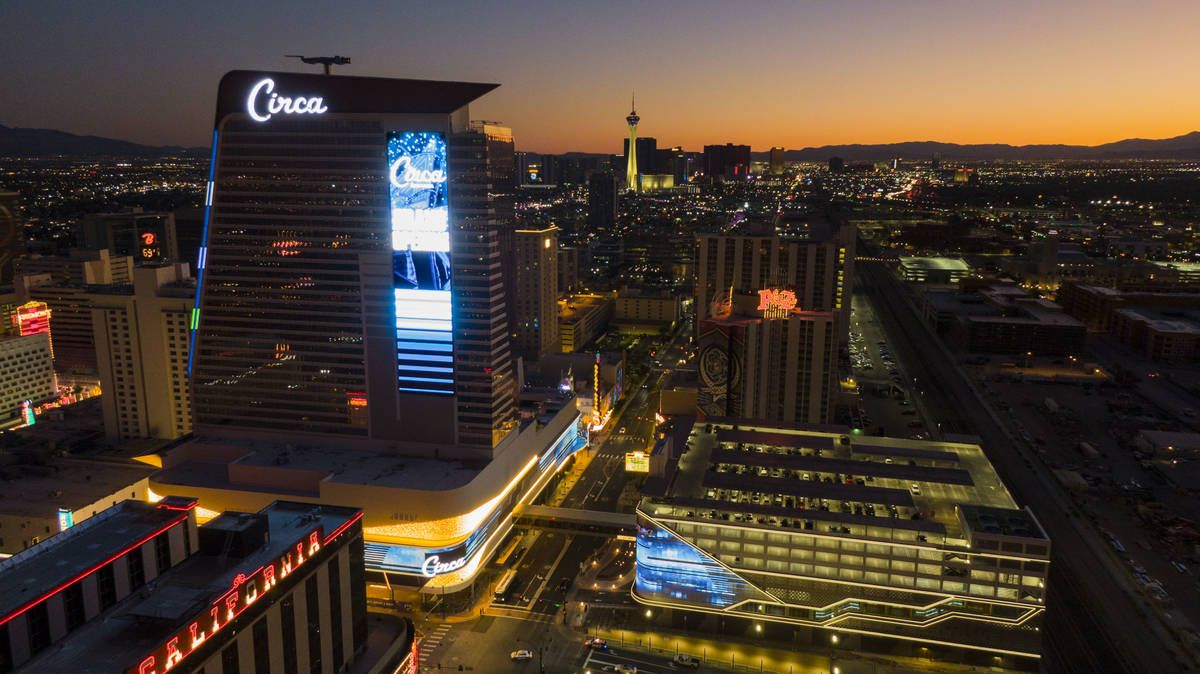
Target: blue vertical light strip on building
point(670, 569)
point(420, 219)
point(194, 319)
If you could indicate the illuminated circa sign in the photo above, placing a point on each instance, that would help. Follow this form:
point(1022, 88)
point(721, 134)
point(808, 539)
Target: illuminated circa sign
point(245, 591)
point(434, 566)
point(637, 462)
point(776, 303)
point(263, 102)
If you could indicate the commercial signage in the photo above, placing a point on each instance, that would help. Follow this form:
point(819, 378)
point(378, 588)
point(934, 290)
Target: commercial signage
point(434, 566)
point(420, 217)
point(245, 591)
point(32, 318)
point(66, 519)
point(776, 303)
point(637, 462)
point(263, 102)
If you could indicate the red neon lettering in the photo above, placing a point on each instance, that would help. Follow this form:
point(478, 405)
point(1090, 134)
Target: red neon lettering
point(216, 618)
point(197, 635)
point(268, 577)
point(147, 666)
point(231, 603)
point(314, 546)
point(285, 565)
point(173, 656)
point(300, 553)
point(148, 238)
point(780, 301)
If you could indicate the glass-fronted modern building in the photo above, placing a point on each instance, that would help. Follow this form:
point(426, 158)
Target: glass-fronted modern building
point(860, 540)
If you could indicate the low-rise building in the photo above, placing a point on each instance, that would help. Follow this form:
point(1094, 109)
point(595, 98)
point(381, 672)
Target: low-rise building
point(581, 319)
point(1002, 318)
point(1159, 333)
point(45, 495)
point(864, 542)
point(26, 375)
point(646, 313)
point(934, 269)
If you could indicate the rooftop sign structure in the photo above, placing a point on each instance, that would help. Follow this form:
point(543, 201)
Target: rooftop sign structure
point(776, 304)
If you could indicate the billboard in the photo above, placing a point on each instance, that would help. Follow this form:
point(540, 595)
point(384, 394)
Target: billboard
point(420, 217)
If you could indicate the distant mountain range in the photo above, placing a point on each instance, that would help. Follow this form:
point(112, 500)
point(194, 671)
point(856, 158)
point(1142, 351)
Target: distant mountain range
point(15, 142)
point(1179, 147)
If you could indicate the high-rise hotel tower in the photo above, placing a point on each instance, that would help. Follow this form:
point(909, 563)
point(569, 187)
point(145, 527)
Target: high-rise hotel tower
point(350, 279)
point(352, 339)
point(351, 336)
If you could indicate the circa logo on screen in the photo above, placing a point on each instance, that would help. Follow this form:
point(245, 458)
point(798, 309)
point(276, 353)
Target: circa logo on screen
point(272, 103)
point(405, 175)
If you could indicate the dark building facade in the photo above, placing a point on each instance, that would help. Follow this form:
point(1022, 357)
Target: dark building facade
point(647, 155)
point(602, 201)
point(12, 234)
point(146, 237)
point(727, 161)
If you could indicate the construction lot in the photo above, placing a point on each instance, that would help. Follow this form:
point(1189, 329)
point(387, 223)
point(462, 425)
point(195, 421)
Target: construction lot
point(1084, 429)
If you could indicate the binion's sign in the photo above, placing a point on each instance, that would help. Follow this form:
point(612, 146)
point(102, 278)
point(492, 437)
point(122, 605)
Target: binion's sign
point(245, 591)
point(263, 102)
point(776, 303)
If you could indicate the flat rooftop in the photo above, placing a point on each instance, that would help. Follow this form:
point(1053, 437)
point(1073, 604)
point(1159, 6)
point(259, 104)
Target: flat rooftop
point(775, 475)
point(1004, 522)
point(215, 463)
point(28, 575)
point(67, 483)
point(936, 263)
point(144, 620)
point(1164, 319)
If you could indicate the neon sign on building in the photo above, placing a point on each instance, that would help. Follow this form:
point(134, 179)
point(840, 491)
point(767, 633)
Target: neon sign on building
point(246, 591)
point(421, 261)
point(276, 104)
point(775, 304)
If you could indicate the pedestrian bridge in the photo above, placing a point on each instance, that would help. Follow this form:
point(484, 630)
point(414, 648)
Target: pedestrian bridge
point(575, 520)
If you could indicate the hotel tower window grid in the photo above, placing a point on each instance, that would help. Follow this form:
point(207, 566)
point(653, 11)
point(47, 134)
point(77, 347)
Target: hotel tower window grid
point(295, 205)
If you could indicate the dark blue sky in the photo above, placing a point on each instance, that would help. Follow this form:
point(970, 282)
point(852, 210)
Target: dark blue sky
point(763, 73)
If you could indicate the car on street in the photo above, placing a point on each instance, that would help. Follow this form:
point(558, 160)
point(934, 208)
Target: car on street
point(596, 644)
point(916, 489)
point(521, 655)
point(685, 660)
point(621, 669)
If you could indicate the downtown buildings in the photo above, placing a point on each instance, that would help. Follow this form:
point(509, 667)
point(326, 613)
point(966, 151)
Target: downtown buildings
point(351, 337)
point(860, 542)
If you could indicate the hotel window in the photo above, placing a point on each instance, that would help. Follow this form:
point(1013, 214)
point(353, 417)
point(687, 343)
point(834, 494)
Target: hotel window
point(137, 568)
point(229, 659)
point(162, 552)
point(107, 584)
point(982, 590)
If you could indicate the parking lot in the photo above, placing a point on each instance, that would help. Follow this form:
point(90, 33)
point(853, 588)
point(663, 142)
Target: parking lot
point(885, 403)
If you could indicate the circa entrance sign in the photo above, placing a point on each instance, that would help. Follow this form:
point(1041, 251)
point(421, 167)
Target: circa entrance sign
point(276, 104)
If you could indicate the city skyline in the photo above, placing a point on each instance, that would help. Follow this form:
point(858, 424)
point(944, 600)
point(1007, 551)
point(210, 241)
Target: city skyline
point(801, 76)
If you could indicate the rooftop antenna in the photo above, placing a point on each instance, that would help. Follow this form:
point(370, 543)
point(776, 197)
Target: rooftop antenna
point(326, 61)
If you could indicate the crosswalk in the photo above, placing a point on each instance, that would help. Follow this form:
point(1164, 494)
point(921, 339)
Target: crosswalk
point(434, 639)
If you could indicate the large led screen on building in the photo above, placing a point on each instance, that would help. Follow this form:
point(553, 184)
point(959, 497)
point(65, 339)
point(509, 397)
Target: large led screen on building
point(421, 261)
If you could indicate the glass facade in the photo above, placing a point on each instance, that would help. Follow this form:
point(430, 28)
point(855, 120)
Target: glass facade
point(669, 568)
